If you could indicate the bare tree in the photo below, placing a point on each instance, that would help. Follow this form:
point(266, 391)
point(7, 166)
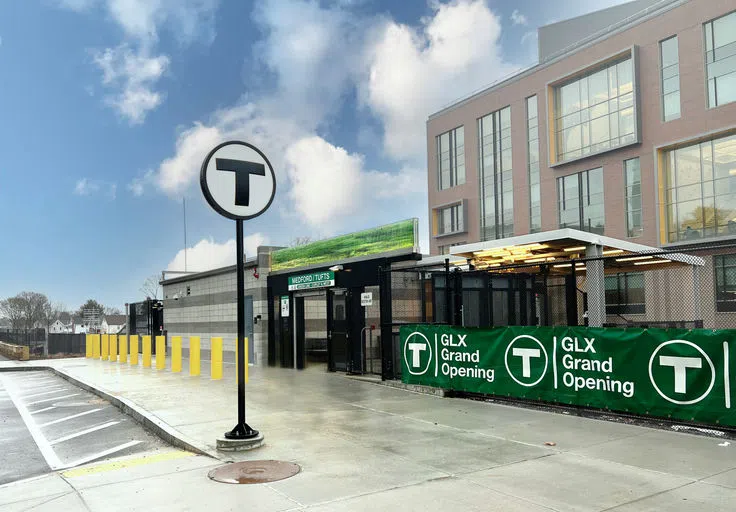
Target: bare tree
point(25, 310)
point(113, 311)
point(53, 312)
point(12, 309)
point(151, 288)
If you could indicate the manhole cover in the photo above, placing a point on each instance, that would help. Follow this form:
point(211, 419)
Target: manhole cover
point(254, 472)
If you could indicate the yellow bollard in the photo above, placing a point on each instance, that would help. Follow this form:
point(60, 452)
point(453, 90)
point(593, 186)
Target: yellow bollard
point(216, 358)
point(95, 346)
point(114, 348)
point(160, 352)
point(88, 346)
point(123, 348)
point(246, 359)
point(134, 350)
point(194, 356)
point(146, 351)
point(176, 354)
point(105, 347)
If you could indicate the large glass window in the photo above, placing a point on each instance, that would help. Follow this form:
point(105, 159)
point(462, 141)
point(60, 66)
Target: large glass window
point(720, 59)
point(625, 294)
point(535, 195)
point(450, 220)
point(725, 283)
point(632, 181)
point(496, 185)
point(451, 158)
point(445, 249)
point(700, 190)
point(596, 112)
point(580, 201)
point(670, 78)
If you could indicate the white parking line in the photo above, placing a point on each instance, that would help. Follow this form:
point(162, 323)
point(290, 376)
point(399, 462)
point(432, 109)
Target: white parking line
point(84, 432)
point(43, 445)
point(99, 455)
point(52, 399)
point(59, 390)
point(67, 418)
point(44, 409)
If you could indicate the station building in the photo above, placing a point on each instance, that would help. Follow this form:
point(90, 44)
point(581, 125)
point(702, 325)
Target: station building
point(625, 129)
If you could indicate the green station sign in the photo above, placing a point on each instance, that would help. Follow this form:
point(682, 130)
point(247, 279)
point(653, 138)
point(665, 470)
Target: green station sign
point(670, 373)
point(314, 280)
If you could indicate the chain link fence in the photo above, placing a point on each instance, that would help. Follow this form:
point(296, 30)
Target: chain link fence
point(684, 289)
point(34, 339)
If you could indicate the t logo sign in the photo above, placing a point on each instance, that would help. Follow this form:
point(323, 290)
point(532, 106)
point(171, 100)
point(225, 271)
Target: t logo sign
point(237, 180)
point(242, 171)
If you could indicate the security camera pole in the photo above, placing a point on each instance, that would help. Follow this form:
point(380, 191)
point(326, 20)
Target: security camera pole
point(238, 182)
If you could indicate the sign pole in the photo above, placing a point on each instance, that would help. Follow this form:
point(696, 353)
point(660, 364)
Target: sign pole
point(242, 430)
point(238, 182)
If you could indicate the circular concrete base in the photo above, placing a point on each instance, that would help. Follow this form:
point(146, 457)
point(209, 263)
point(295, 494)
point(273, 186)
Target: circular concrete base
point(239, 445)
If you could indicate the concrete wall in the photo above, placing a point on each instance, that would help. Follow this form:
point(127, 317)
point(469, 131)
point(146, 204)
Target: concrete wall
point(17, 352)
point(685, 21)
point(210, 309)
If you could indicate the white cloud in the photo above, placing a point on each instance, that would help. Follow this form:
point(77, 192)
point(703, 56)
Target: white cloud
point(87, 187)
point(132, 77)
point(84, 187)
point(415, 72)
point(208, 254)
point(519, 19)
point(530, 36)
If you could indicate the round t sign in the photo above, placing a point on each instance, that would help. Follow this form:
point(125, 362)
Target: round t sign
point(237, 180)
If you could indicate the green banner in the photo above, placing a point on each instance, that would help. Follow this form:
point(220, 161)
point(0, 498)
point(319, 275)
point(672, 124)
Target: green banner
point(669, 373)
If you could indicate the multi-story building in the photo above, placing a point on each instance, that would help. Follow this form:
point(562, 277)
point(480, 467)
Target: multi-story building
point(625, 128)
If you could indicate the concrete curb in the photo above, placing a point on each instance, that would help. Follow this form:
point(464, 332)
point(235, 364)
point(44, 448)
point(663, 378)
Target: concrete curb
point(148, 420)
point(414, 388)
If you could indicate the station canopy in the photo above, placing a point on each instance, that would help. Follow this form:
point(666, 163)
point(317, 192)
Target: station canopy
point(561, 249)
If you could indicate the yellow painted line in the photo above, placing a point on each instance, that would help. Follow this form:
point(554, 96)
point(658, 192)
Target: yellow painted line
point(129, 463)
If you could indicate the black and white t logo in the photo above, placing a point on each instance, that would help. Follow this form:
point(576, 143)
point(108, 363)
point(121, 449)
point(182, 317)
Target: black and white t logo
point(237, 180)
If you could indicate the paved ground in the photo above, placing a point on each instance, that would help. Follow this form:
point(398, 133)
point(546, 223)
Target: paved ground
point(49, 423)
point(364, 446)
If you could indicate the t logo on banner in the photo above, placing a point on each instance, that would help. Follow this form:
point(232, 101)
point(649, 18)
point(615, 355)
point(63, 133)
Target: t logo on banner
point(242, 171)
point(531, 351)
point(675, 371)
point(417, 354)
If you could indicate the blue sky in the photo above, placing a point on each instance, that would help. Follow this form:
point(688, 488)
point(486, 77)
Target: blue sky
point(107, 108)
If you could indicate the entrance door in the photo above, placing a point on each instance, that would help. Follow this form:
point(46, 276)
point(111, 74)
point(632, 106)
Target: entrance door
point(337, 330)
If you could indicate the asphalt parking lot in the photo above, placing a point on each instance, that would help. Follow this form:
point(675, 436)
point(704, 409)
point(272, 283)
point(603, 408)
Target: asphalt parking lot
point(48, 424)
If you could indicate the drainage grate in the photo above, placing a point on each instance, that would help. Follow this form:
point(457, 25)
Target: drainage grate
point(254, 472)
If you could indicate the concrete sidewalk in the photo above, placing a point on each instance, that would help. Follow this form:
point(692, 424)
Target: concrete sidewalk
point(364, 446)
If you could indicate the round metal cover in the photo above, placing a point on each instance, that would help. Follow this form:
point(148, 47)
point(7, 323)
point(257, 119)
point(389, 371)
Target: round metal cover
point(254, 472)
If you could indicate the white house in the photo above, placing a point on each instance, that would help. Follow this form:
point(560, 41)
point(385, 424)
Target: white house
point(58, 327)
point(113, 324)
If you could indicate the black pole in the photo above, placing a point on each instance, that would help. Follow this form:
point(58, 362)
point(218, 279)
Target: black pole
point(241, 430)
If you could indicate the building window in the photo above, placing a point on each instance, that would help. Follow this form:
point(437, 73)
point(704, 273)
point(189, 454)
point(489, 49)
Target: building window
point(445, 249)
point(535, 195)
point(451, 158)
point(725, 283)
point(720, 59)
point(496, 185)
point(595, 113)
point(450, 220)
point(625, 294)
point(670, 78)
point(580, 201)
point(632, 181)
point(700, 190)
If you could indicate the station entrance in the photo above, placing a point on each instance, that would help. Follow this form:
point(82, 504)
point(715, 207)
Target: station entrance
point(333, 324)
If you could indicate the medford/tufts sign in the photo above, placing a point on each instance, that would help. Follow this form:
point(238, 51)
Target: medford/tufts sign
point(669, 373)
point(314, 280)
